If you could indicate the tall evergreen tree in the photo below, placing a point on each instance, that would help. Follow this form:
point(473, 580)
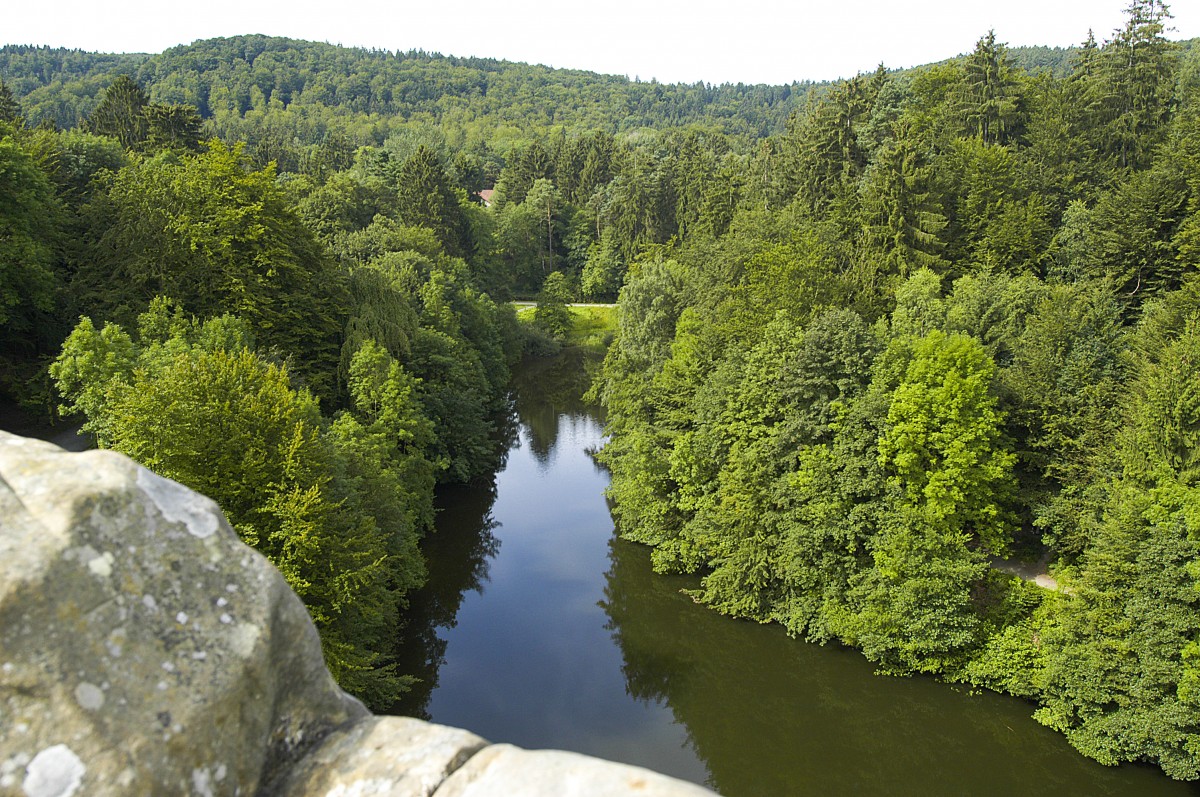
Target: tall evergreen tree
point(426, 199)
point(990, 93)
point(823, 145)
point(1137, 74)
point(175, 127)
point(120, 113)
point(10, 109)
point(902, 214)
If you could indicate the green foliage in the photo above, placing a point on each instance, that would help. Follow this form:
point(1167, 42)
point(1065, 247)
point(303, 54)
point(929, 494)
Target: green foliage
point(1115, 674)
point(294, 83)
point(912, 609)
point(10, 109)
point(80, 159)
point(120, 114)
point(552, 313)
point(999, 415)
point(1016, 615)
point(91, 365)
point(764, 521)
point(1135, 72)
point(942, 443)
point(1067, 371)
point(338, 509)
point(1002, 226)
point(172, 127)
point(30, 219)
point(220, 239)
point(461, 352)
point(903, 216)
point(868, 333)
point(425, 198)
point(989, 94)
point(1133, 231)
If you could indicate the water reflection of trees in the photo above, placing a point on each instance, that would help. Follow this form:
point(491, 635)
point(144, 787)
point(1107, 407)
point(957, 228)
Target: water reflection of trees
point(458, 554)
point(772, 715)
point(546, 389)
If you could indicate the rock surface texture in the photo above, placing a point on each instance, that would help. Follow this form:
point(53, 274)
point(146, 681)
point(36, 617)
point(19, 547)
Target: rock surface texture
point(144, 650)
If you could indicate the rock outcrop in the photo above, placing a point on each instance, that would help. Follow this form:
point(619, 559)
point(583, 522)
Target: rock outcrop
point(144, 650)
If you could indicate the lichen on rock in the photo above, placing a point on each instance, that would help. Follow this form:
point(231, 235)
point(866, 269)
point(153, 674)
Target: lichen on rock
point(127, 662)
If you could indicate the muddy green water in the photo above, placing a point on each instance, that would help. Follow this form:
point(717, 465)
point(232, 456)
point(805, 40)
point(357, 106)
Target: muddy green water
point(540, 628)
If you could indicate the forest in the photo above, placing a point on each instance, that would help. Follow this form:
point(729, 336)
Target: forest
point(873, 335)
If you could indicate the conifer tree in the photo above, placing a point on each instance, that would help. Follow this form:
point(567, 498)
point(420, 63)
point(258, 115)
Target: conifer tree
point(903, 217)
point(426, 199)
point(1137, 70)
point(120, 113)
point(989, 95)
point(10, 109)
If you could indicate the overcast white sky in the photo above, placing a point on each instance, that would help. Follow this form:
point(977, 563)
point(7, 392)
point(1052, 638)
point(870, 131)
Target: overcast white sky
point(749, 41)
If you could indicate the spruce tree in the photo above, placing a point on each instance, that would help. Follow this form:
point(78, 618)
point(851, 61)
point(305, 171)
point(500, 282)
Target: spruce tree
point(10, 109)
point(120, 113)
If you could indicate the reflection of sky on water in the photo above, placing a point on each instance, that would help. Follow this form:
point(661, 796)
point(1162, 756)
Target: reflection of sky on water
point(530, 660)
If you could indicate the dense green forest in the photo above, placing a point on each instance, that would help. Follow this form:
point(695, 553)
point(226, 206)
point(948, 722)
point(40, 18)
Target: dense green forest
point(960, 320)
point(872, 334)
point(277, 91)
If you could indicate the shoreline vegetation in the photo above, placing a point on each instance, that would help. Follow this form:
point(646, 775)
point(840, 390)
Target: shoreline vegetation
point(868, 336)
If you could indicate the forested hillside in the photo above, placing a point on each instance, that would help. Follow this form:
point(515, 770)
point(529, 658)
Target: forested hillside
point(960, 320)
point(307, 89)
point(872, 334)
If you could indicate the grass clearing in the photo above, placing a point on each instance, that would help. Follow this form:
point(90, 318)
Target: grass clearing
point(593, 325)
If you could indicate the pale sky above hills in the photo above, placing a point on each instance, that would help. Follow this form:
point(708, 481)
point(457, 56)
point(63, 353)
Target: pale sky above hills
point(749, 41)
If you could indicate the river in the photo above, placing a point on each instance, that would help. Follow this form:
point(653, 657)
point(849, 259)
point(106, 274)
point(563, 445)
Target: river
point(540, 628)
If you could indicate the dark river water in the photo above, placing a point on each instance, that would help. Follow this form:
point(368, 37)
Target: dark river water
point(540, 628)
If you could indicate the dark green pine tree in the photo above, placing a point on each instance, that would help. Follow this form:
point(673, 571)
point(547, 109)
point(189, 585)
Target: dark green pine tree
point(902, 216)
point(1136, 70)
point(597, 169)
point(120, 113)
point(10, 109)
point(426, 199)
point(989, 94)
point(822, 151)
point(1085, 58)
point(525, 168)
point(174, 127)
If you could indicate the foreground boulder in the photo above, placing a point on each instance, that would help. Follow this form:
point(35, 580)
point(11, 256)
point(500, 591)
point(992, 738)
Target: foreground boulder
point(144, 650)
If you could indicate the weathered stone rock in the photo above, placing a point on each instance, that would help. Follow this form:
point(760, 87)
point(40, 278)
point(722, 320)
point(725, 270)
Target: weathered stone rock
point(144, 650)
point(504, 769)
point(396, 756)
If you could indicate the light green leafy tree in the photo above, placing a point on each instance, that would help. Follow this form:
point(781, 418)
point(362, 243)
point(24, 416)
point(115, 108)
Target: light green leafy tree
point(338, 510)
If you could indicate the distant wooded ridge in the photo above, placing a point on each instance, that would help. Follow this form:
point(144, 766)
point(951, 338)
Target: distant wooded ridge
point(242, 75)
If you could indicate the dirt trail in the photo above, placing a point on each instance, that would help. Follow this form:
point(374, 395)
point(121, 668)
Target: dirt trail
point(1037, 572)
